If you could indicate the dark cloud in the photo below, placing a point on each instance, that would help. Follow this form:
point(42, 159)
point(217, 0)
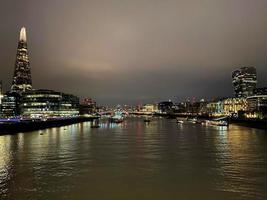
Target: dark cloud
point(130, 51)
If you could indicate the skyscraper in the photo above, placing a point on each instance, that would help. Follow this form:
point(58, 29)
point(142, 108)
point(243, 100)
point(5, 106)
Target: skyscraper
point(244, 81)
point(22, 74)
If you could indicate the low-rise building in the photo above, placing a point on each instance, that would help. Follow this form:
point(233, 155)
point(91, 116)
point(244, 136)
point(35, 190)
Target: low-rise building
point(87, 106)
point(48, 104)
point(227, 107)
point(232, 106)
point(149, 108)
point(257, 106)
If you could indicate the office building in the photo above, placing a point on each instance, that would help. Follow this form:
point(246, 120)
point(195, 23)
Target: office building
point(48, 104)
point(10, 107)
point(244, 81)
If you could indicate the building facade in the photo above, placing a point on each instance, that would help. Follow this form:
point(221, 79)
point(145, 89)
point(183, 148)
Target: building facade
point(48, 104)
point(233, 106)
point(149, 108)
point(227, 107)
point(257, 104)
point(87, 106)
point(10, 107)
point(244, 81)
point(260, 91)
point(22, 74)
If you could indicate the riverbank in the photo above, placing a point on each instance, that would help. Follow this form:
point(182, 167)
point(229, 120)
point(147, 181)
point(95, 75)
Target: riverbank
point(31, 125)
point(253, 123)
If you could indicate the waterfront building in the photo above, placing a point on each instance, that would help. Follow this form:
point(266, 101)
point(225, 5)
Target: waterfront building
point(244, 81)
point(233, 106)
point(149, 108)
point(215, 108)
point(227, 107)
point(22, 73)
point(87, 106)
point(257, 106)
point(48, 104)
point(165, 107)
point(10, 107)
point(89, 101)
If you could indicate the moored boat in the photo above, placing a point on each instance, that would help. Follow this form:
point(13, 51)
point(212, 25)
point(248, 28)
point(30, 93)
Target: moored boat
point(116, 118)
point(180, 121)
point(217, 122)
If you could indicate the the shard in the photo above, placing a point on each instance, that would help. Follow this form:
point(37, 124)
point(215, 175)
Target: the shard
point(22, 74)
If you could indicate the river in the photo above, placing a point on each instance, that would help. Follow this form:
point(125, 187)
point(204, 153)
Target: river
point(135, 160)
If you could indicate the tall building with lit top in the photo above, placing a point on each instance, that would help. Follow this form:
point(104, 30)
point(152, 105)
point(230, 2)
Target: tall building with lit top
point(22, 75)
point(244, 81)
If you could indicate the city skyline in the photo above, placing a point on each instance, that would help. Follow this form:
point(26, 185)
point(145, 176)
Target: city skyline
point(116, 58)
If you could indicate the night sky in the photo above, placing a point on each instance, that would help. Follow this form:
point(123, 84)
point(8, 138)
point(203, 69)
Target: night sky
point(132, 51)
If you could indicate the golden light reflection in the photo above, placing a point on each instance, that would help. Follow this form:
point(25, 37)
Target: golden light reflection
point(235, 156)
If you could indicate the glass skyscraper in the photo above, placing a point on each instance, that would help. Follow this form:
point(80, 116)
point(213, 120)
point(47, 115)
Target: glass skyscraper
point(244, 81)
point(22, 74)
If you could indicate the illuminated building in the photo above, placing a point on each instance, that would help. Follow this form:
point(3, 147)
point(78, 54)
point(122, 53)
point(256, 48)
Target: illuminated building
point(149, 108)
point(232, 106)
point(22, 74)
point(215, 108)
point(244, 81)
point(257, 106)
point(10, 105)
point(48, 104)
point(87, 106)
point(88, 101)
point(227, 107)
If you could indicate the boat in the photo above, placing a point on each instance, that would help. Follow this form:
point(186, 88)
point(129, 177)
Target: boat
point(180, 121)
point(192, 120)
point(116, 118)
point(217, 122)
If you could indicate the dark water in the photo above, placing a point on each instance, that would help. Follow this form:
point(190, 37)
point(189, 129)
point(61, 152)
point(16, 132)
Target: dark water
point(134, 160)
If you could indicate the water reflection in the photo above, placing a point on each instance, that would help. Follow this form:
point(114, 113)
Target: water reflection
point(135, 160)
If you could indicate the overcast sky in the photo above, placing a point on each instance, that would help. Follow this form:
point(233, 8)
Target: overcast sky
point(131, 51)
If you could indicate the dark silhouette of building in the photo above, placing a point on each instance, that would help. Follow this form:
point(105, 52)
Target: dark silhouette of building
point(22, 74)
point(244, 81)
point(260, 91)
point(165, 106)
